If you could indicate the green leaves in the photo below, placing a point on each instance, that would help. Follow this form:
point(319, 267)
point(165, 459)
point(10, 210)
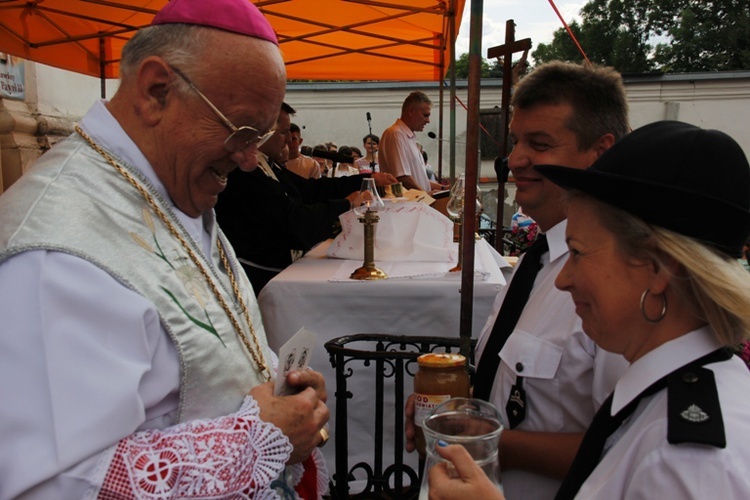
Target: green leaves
point(637, 36)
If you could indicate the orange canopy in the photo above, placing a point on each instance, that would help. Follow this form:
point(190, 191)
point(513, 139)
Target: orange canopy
point(320, 39)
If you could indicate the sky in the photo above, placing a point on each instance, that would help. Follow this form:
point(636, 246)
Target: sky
point(535, 19)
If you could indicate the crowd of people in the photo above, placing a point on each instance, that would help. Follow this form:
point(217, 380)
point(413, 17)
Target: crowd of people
point(288, 212)
point(329, 160)
point(292, 201)
point(133, 358)
point(399, 153)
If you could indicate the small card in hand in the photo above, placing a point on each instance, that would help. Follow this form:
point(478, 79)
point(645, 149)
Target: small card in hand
point(294, 355)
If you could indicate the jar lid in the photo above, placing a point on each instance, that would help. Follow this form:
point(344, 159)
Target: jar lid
point(441, 360)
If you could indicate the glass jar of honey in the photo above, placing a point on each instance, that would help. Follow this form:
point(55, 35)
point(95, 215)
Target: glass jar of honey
point(441, 376)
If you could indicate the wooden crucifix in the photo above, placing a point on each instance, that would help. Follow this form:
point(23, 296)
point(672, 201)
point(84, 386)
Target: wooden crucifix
point(506, 51)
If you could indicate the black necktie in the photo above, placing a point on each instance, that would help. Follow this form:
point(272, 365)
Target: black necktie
point(604, 424)
point(513, 304)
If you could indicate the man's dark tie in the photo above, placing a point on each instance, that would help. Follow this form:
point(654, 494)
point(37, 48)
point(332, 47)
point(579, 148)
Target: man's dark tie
point(604, 424)
point(513, 304)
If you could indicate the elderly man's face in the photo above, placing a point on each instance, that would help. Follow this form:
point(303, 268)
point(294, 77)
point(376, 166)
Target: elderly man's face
point(194, 163)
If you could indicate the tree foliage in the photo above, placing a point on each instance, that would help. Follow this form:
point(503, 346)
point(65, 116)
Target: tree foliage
point(658, 35)
point(489, 69)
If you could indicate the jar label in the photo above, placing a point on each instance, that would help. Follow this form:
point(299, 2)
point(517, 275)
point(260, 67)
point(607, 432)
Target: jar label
point(424, 403)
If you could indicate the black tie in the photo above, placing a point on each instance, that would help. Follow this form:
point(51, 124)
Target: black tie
point(513, 304)
point(604, 424)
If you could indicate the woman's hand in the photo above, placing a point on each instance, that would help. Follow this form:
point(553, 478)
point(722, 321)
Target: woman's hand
point(461, 478)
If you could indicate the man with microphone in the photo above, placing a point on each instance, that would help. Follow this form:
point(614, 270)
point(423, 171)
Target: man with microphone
point(399, 154)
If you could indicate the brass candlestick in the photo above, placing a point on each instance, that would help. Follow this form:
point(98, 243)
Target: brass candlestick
point(458, 221)
point(369, 271)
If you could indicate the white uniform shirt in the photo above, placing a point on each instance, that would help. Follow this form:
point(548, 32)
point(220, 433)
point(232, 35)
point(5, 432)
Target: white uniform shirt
point(566, 377)
point(46, 337)
point(639, 462)
point(399, 154)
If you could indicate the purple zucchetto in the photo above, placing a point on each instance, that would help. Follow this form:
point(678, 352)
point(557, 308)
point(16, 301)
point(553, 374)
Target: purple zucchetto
point(237, 16)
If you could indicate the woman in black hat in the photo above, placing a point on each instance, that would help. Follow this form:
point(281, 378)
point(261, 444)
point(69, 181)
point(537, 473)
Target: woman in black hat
point(654, 276)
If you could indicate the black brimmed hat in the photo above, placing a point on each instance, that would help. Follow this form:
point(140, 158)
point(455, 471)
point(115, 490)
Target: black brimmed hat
point(692, 181)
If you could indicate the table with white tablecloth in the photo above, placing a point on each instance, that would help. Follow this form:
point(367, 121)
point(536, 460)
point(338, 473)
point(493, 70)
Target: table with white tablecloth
point(312, 294)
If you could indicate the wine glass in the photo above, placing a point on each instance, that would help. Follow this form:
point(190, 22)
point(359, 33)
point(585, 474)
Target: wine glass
point(368, 198)
point(455, 207)
point(456, 203)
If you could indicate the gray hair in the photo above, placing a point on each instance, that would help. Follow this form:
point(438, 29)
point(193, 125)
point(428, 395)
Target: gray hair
point(415, 97)
point(179, 44)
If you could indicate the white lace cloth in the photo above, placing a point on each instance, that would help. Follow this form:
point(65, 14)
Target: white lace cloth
point(238, 456)
point(405, 232)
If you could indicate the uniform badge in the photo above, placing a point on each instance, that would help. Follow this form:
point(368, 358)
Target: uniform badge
point(693, 408)
point(694, 414)
point(516, 406)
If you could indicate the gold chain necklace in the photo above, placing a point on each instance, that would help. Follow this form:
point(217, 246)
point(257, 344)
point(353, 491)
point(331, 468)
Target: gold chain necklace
point(256, 352)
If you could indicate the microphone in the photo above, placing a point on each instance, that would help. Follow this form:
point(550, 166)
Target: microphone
point(333, 156)
point(369, 128)
point(432, 135)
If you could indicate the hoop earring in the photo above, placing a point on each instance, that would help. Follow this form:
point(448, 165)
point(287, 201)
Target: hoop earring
point(663, 308)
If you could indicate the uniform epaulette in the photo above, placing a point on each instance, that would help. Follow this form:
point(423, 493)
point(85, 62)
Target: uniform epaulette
point(693, 409)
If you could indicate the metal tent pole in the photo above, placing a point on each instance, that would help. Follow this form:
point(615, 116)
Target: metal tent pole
point(472, 162)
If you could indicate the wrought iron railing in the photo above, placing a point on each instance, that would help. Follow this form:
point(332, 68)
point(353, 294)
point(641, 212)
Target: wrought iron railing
point(392, 359)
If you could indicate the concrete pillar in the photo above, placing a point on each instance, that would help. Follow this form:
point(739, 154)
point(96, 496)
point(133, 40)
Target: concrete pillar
point(18, 141)
point(27, 130)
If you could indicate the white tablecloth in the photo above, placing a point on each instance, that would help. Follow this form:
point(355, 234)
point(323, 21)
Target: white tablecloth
point(303, 295)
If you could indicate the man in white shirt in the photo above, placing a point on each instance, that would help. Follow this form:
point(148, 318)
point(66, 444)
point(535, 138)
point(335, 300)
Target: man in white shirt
point(399, 153)
point(133, 359)
point(563, 114)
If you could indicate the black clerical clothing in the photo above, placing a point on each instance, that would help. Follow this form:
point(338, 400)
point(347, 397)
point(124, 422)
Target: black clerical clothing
point(265, 219)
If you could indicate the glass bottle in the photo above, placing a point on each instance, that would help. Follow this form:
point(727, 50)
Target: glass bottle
point(441, 376)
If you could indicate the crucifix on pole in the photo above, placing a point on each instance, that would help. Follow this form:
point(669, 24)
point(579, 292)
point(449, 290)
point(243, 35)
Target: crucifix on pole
point(506, 51)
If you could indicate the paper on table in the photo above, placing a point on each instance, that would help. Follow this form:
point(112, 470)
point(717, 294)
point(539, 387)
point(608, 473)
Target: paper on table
point(406, 232)
point(417, 195)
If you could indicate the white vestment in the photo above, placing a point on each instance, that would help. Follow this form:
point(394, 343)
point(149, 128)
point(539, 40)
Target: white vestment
point(94, 386)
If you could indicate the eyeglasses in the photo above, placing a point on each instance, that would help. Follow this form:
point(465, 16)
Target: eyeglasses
point(240, 138)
